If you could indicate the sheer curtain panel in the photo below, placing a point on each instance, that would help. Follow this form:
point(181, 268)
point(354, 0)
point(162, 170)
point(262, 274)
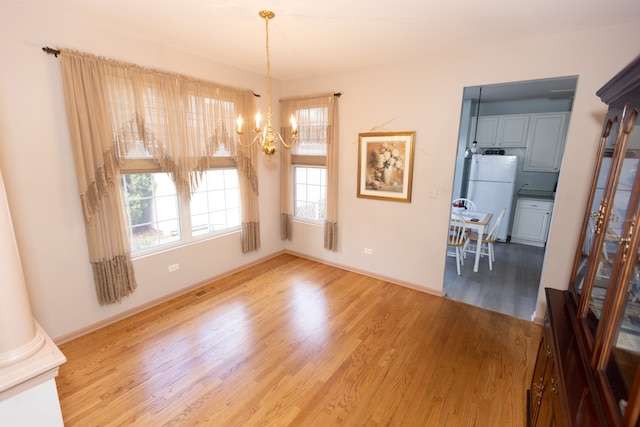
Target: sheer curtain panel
point(182, 123)
point(97, 175)
point(317, 118)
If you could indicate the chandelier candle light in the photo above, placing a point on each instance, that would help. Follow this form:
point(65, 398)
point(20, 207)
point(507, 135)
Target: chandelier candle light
point(266, 137)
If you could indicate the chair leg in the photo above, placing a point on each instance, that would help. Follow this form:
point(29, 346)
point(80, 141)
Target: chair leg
point(490, 255)
point(458, 257)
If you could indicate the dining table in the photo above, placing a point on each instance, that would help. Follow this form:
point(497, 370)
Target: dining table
point(478, 222)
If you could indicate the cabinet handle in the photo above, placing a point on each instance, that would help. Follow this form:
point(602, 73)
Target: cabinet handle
point(626, 241)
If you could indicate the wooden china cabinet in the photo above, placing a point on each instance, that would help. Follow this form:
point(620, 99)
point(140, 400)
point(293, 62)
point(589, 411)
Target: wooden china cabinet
point(587, 371)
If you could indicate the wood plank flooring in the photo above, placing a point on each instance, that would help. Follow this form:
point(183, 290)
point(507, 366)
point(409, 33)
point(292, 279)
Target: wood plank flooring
point(510, 288)
point(294, 342)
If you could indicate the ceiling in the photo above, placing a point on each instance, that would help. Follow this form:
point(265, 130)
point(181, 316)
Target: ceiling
point(309, 38)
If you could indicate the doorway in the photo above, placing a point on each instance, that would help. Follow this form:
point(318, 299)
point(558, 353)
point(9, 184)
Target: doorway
point(507, 119)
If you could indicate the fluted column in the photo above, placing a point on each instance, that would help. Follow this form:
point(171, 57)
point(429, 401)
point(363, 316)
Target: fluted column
point(19, 337)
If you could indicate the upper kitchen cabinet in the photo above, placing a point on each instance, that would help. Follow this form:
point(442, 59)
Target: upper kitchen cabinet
point(512, 130)
point(545, 142)
point(486, 132)
point(501, 131)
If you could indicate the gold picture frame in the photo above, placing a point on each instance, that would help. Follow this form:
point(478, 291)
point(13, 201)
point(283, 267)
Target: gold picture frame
point(385, 165)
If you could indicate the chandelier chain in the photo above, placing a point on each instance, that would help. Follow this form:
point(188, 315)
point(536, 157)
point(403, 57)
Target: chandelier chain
point(265, 136)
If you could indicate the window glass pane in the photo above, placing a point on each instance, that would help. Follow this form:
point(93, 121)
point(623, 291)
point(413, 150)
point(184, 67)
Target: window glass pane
point(301, 192)
point(233, 217)
point(166, 208)
point(153, 218)
point(310, 192)
point(215, 205)
point(300, 175)
point(232, 199)
point(198, 204)
point(217, 220)
point(215, 179)
point(231, 178)
point(199, 224)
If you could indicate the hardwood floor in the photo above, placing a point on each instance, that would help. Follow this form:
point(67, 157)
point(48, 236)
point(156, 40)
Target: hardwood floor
point(510, 288)
point(294, 342)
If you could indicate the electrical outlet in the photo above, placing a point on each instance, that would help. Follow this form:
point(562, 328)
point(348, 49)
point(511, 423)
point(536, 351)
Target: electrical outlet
point(368, 251)
point(174, 267)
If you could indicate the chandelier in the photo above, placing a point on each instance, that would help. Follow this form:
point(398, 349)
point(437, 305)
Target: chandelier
point(265, 136)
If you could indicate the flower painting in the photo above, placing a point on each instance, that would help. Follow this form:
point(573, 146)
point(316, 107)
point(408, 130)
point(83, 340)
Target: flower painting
point(385, 162)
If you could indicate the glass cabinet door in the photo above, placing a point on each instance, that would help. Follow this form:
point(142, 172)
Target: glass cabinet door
point(618, 333)
point(602, 171)
point(593, 266)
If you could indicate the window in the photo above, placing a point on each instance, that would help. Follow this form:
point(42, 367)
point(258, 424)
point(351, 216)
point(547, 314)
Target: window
point(159, 218)
point(215, 206)
point(310, 192)
point(159, 215)
point(152, 208)
point(309, 164)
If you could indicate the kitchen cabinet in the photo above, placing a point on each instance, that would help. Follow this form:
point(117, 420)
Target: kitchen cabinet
point(594, 325)
point(501, 131)
point(545, 142)
point(531, 221)
point(512, 130)
point(487, 131)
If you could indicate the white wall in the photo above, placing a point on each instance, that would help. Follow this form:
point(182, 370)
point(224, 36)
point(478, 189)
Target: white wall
point(37, 165)
point(408, 239)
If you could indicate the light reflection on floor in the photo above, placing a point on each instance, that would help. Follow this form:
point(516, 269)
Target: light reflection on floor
point(309, 311)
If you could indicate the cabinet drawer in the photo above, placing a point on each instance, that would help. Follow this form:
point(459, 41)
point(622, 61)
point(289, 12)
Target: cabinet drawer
point(535, 204)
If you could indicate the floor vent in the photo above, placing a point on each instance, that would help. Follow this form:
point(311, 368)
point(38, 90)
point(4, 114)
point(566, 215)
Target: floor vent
point(200, 293)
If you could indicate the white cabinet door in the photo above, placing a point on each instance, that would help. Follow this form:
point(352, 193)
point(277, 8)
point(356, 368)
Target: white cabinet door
point(512, 130)
point(531, 221)
point(487, 131)
point(501, 131)
point(545, 142)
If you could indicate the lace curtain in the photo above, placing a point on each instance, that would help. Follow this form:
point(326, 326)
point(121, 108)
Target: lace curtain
point(181, 122)
point(311, 132)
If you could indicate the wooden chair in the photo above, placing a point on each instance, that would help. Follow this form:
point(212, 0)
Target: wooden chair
point(457, 239)
point(467, 204)
point(486, 242)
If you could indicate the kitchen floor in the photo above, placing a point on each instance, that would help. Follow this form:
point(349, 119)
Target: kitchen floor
point(510, 288)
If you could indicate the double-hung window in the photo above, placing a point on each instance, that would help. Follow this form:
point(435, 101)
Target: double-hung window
point(159, 217)
point(308, 159)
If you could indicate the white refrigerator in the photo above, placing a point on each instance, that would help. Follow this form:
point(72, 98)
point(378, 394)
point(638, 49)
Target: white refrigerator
point(491, 187)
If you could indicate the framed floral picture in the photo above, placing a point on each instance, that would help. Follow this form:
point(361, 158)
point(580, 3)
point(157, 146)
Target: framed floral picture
point(385, 165)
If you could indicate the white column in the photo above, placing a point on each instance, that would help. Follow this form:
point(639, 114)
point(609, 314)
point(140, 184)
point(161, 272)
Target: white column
point(19, 336)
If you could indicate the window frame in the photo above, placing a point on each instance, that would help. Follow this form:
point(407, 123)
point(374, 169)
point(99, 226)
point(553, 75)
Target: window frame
point(148, 165)
point(306, 161)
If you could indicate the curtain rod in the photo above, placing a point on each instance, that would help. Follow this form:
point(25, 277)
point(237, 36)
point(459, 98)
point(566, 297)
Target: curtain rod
point(55, 52)
point(51, 51)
